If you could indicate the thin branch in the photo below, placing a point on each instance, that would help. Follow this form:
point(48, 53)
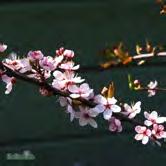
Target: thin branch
point(149, 55)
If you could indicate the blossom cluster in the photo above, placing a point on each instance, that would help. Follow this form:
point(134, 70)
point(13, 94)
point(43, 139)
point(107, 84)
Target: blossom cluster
point(60, 72)
point(153, 128)
point(151, 87)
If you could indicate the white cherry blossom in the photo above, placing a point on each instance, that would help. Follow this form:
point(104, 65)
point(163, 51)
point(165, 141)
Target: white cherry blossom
point(107, 106)
point(63, 80)
point(83, 91)
point(133, 110)
point(86, 116)
point(143, 134)
point(152, 85)
point(153, 118)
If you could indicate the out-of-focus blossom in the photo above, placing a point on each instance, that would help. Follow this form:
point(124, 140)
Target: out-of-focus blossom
point(3, 47)
point(158, 131)
point(9, 82)
point(82, 91)
point(107, 106)
point(85, 116)
point(115, 125)
point(143, 134)
point(69, 66)
point(152, 86)
point(153, 118)
point(133, 110)
point(35, 55)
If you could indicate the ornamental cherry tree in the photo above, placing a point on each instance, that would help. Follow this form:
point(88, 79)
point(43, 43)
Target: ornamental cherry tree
point(57, 75)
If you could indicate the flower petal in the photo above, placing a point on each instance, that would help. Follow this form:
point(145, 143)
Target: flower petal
point(139, 137)
point(107, 114)
point(145, 140)
point(93, 123)
point(148, 123)
point(115, 108)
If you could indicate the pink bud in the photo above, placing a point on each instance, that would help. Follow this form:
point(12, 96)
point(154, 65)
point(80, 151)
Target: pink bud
point(35, 55)
point(3, 47)
point(68, 53)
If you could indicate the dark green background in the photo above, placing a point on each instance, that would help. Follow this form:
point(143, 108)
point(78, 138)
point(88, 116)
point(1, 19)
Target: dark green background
point(29, 121)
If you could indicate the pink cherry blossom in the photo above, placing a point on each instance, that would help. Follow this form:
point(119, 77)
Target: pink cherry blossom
point(107, 106)
point(133, 110)
point(153, 118)
point(69, 66)
point(158, 131)
point(115, 125)
point(9, 83)
point(3, 47)
point(13, 62)
point(63, 80)
point(65, 52)
point(35, 55)
point(80, 91)
point(152, 85)
point(48, 63)
point(85, 116)
point(143, 134)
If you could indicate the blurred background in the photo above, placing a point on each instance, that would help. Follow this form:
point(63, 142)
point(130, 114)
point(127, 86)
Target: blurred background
point(29, 121)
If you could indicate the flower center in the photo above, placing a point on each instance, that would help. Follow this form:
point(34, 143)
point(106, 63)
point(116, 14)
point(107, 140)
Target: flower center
point(86, 116)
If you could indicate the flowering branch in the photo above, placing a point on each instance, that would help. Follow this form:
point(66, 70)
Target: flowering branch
point(56, 76)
